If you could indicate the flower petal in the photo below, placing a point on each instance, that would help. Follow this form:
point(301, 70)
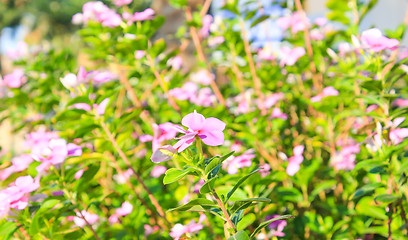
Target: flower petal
point(194, 121)
point(213, 138)
point(213, 124)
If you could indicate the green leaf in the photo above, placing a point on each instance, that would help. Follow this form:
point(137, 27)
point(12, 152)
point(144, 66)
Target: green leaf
point(266, 223)
point(321, 187)
point(158, 47)
point(240, 235)
point(214, 165)
point(208, 186)
point(369, 164)
point(236, 217)
point(240, 181)
point(203, 202)
point(173, 174)
point(247, 220)
point(242, 204)
point(386, 198)
point(259, 20)
point(35, 224)
point(366, 190)
point(7, 229)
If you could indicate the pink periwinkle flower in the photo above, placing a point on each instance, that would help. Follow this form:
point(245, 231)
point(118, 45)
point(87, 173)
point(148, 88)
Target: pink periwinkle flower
point(139, 54)
point(295, 22)
point(205, 97)
point(145, 138)
point(295, 161)
point(203, 77)
point(162, 132)
point(208, 130)
point(79, 173)
point(205, 29)
point(320, 21)
point(187, 92)
point(158, 170)
point(15, 79)
point(276, 226)
point(236, 162)
point(149, 229)
point(316, 34)
point(399, 102)
point(175, 62)
point(272, 99)
point(345, 48)
point(147, 14)
point(328, 91)
point(18, 164)
point(99, 12)
point(120, 3)
point(266, 54)
point(290, 56)
point(277, 113)
point(236, 146)
point(345, 159)
point(100, 77)
point(376, 42)
point(123, 177)
point(214, 41)
point(179, 230)
point(79, 218)
point(125, 209)
point(265, 169)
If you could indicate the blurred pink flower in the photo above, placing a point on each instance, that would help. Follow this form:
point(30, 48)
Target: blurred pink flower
point(295, 161)
point(376, 42)
point(205, 29)
point(345, 159)
point(205, 98)
point(399, 102)
point(295, 22)
point(277, 113)
point(147, 14)
point(272, 99)
point(80, 222)
point(20, 52)
point(327, 91)
point(163, 132)
point(139, 54)
point(236, 162)
point(214, 41)
point(209, 130)
point(125, 209)
point(265, 171)
point(122, 178)
point(179, 230)
point(290, 56)
point(202, 76)
point(19, 164)
point(99, 12)
point(320, 21)
point(120, 3)
point(316, 34)
point(158, 170)
point(175, 62)
point(148, 230)
point(276, 226)
point(79, 173)
point(187, 92)
point(15, 79)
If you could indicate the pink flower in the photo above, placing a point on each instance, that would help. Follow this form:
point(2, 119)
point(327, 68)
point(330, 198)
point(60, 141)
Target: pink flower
point(214, 41)
point(15, 79)
point(125, 209)
point(316, 34)
point(139, 54)
point(149, 229)
point(399, 102)
point(89, 217)
point(209, 130)
point(145, 138)
point(320, 21)
point(295, 161)
point(266, 54)
point(295, 22)
point(205, 29)
point(271, 100)
point(157, 171)
point(345, 159)
point(376, 42)
point(277, 226)
point(277, 113)
point(101, 107)
point(20, 52)
point(244, 160)
point(99, 12)
point(163, 154)
point(142, 16)
point(328, 91)
point(120, 3)
point(163, 132)
point(179, 230)
point(82, 106)
point(122, 178)
point(203, 77)
point(397, 135)
point(345, 48)
point(205, 97)
point(265, 171)
point(77, 19)
point(79, 173)
point(175, 62)
point(290, 56)
point(19, 164)
point(187, 92)
point(102, 77)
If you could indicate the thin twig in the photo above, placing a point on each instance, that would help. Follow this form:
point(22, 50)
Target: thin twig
point(227, 217)
point(138, 178)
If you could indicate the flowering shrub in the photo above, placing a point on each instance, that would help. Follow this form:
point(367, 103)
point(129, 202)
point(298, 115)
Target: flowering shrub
point(283, 127)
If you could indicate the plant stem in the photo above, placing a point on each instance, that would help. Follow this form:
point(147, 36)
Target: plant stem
point(138, 178)
point(224, 210)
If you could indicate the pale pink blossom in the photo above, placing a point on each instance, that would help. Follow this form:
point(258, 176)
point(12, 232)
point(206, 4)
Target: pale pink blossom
point(214, 41)
point(327, 91)
point(99, 12)
point(277, 226)
point(19, 164)
point(399, 102)
point(202, 76)
point(19, 53)
point(175, 62)
point(125, 209)
point(147, 14)
point(277, 113)
point(376, 42)
point(295, 22)
point(205, 29)
point(295, 161)
point(290, 56)
point(265, 169)
point(205, 97)
point(345, 159)
point(316, 34)
point(15, 79)
point(272, 99)
point(148, 230)
point(187, 92)
point(236, 162)
point(123, 177)
point(89, 217)
point(120, 3)
point(179, 230)
point(139, 54)
point(209, 130)
point(320, 21)
point(158, 170)
point(162, 132)
point(79, 173)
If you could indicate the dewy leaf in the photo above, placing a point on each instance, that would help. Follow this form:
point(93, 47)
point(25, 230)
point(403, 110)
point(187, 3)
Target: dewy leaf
point(173, 174)
point(266, 223)
point(203, 202)
point(240, 235)
point(215, 162)
point(240, 181)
